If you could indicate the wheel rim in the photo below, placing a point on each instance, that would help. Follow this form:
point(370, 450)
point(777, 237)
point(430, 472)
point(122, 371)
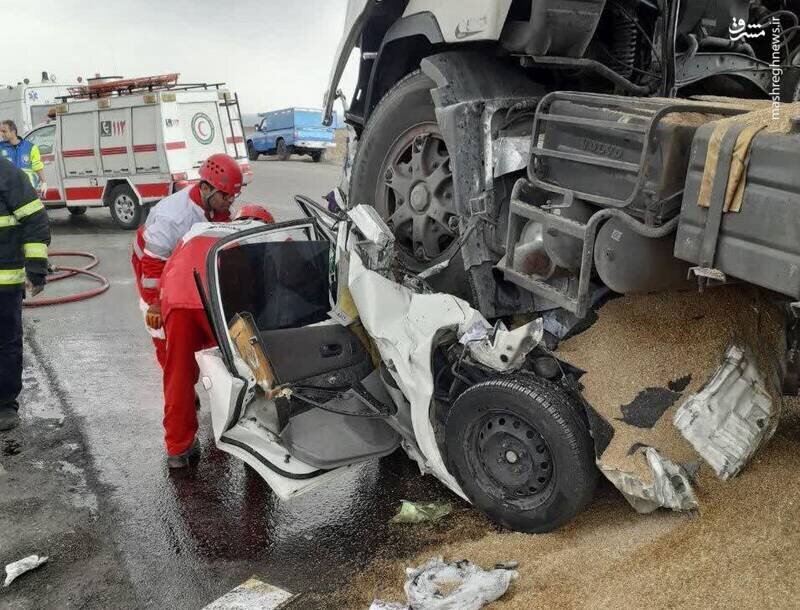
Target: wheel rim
point(510, 459)
point(125, 208)
point(415, 192)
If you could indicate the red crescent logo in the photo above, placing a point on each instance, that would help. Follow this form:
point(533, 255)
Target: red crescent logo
point(200, 125)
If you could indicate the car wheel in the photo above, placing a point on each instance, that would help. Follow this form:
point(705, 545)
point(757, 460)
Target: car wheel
point(78, 210)
point(126, 211)
point(317, 156)
point(521, 452)
point(402, 167)
point(283, 151)
point(252, 153)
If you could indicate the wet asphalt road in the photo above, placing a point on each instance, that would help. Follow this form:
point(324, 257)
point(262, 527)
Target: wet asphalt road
point(185, 540)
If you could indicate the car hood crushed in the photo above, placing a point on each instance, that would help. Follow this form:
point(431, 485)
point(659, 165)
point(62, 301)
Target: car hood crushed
point(657, 411)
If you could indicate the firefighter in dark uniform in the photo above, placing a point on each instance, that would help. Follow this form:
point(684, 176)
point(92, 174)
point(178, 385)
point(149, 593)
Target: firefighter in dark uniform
point(24, 237)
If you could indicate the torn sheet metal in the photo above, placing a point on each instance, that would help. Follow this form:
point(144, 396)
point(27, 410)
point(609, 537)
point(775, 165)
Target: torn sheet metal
point(377, 248)
point(506, 349)
point(670, 486)
point(732, 416)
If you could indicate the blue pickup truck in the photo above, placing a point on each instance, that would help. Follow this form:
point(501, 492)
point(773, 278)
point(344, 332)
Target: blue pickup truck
point(290, 131)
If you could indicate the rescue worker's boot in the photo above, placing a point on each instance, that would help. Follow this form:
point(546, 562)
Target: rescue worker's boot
point(9, 418)
point(182, 460)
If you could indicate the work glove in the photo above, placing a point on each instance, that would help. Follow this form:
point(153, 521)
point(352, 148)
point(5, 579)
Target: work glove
point(153, 317)
point(34, 284)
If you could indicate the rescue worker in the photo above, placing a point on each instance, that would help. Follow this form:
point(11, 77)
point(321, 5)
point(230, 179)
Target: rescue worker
point(24, 237)
point(24, 154)
point(208, 201)
point(188, 331)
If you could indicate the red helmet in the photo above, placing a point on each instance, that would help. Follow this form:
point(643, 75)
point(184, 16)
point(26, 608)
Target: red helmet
point(223, 173)
point(255, 212)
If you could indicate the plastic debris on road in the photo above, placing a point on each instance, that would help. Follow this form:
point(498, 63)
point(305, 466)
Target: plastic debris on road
point(417, 512)
point(13, 570)
point(458, 585)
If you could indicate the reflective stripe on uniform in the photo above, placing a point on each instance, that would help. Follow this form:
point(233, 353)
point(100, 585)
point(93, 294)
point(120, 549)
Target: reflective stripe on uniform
point(137, 250)
point(7, 221)
point(150, 282)
point(152, 254)
point(12, 276)
point(34, 250)
point(28, 209)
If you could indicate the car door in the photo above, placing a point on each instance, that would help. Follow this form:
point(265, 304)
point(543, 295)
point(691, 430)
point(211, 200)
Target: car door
point(260, 137)
point(44, 137)
point(280, 357)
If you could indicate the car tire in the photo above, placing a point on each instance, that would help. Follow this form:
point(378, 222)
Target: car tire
point(283, 151)
point(78, 210)
point(317, 156)
point(403, 124)
point(126, 210)
point(252, 153)
point(521, 452)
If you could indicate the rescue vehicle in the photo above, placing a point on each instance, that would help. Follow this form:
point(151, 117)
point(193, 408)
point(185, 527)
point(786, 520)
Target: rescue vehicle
point(27, 104)
point(127, 143)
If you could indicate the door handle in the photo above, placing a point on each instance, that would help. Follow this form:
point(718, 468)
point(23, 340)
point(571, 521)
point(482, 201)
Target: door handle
point(329, 350)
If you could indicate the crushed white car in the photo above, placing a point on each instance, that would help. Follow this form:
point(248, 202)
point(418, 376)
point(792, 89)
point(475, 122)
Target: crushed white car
point(329, 355)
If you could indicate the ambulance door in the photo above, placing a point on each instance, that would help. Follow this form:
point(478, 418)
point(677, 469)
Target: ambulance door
point(145, 130)
point(79, 145)
point(44, 138)
point(202, 130)
point(114, 128)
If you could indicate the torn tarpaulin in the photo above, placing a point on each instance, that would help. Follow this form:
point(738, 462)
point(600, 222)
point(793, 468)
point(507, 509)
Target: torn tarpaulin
point(459, 585)
point(729, 419)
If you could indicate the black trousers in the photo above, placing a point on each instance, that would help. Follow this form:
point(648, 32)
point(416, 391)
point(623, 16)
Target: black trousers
point(10, 346)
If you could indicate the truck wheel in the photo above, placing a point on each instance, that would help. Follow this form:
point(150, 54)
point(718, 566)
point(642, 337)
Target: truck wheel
point(521, 452)
point(316, 156)
point(252, 153)
point(283, 151)
point(78, 210)
point(402, 167)
point(125, 207)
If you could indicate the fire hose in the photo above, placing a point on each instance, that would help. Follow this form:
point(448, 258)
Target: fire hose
point(61, 272)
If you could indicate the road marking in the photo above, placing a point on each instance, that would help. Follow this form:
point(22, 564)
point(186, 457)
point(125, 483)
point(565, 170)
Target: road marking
point(254, 594)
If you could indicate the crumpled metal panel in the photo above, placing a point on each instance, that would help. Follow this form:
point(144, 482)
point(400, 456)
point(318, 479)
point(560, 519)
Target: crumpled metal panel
point(506, 349)
point(671, 487)
point(731, 417)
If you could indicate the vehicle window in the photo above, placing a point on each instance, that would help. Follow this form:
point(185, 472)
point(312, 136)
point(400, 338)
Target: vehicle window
point(44, 138)
point(307, 118)
point(282, 284)
point(39, 113)
point(265, 124)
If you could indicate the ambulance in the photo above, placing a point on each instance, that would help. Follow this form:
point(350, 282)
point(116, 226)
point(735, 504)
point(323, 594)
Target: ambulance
point(27, 104)
point(127, 143)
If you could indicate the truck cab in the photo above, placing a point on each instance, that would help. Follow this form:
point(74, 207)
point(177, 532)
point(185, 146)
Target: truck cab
point(297, 131)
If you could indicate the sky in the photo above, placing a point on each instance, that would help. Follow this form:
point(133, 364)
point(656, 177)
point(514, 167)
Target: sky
point(274, 53)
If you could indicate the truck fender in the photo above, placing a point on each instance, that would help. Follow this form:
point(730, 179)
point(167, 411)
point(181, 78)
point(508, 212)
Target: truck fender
point(386, 69)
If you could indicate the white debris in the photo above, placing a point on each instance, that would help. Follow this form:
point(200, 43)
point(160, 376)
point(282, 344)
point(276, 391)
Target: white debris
point(671, 487)
point(507, 348)
point(731, 417)
point(252, 594)
point(459, 585)
point(13, 570)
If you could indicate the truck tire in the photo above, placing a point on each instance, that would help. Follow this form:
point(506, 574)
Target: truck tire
point(317, 155)
point(126, 211)
point(283, 151)
point(252, 153)
point(78, 210)
point(521, 452)
point(402, 167)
